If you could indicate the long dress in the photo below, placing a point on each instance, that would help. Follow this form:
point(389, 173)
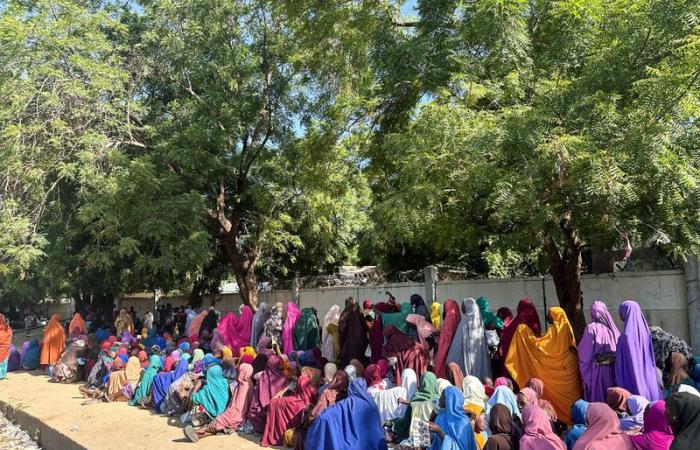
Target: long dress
point(5, 344)
point(409, 354)
point(285, 412)
point(328, 350)
point(599, 338)
point(271, 382)
point(144, 386)
point(54, 341)
point(526, 313)
point(215, 393)
point(236, 329)
point(259, 319)
point(635, 368)
point(450, 321)
point(549, 358)
point(352, 329)
point(235, 413)
point(469, 349)
point(290, 322)
point(306, 331)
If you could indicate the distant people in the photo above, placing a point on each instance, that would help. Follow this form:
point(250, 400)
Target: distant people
point(5, 343)
point(148, 319)
point(54, 341)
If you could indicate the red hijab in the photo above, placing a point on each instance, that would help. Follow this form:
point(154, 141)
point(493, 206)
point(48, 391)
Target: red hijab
point(373, 375)
point(526, 314)
point(450, 320)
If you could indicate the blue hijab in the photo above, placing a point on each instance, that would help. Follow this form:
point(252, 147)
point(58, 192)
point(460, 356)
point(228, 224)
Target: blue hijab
point(215, 393)
point(30, 358)
point(163, 380)
point(102, 334)
point(578, 415)
point(351, 423)
point(459, 434)
point(504, 396)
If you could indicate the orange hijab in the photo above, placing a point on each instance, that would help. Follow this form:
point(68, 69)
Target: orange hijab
point(54, 341)
point(5, 338)
point(550, 359)
point(77, 326)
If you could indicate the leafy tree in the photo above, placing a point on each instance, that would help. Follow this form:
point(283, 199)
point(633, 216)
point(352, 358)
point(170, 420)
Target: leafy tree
point(560, 124)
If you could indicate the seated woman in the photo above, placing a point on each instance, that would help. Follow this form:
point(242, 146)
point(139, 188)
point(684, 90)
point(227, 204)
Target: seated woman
point(537, 431)
point(335, 391)
point(272, 381)
point(676, 373)
point(636, 406)
point(408, 353)
point(683, 415)
point(211, 399)
point(130, 374)
point(387, 400)
point(66, 370)
point(163, 380)
point(657, 433)
point(286, 412)
point(452, 429)
point(617, 400)
point(578, 415)
point(501, 426)
point(603, 431)
point(422, 405)
point(29, 356)
point(143, 389)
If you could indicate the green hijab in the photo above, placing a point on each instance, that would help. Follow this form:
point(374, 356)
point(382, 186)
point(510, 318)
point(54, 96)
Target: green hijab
point(144, 386)
point(487, 316)
point(197, 355)
point(428, 388)
point(398, 319)
point(306, 331)
point(215, 394)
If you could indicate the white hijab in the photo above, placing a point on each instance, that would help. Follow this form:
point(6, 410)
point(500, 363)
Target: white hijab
point(327, 347)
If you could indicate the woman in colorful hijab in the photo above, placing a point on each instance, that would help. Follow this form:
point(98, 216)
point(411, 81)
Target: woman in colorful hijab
point(162, 382)
point(469, 348)
point(215, 394)
point(537, 431)
point(551, 357)
point(5, 343)
point(506, 315)
point(474, 395)
point(491, 321)
point(284, 410)
point(664, 343)
point(503, 395)
point(352, 423)
point(596, 351)
point(259, 319)
point(677, 372)
point(195, 325)
point(419, 307)
point(290, 322)
point(373, 319)
point(408, 353)
point(635, 369)
point(352, 330)
point(537, 387)
point(236, 329)
point(657, 433)
point(455, 375)
point(124, 323)
point(387, 400)
point(29, 357)
point(130, 374)
point(424, 329)
point(527, 315)
point(636, 406)
point(329, 344)
point(683, 415)
point(76, 327)
point(452, 428)
point(578, 415)
point(450, 323)
point(54, 341)
point(501, 426)
point(616, 398)
point(272, 381)
point(603, 431)
point(306, 330)
point(436, 315)
point(144, 387)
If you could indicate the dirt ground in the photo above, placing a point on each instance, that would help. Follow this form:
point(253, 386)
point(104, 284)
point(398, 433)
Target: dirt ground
point(103, 425)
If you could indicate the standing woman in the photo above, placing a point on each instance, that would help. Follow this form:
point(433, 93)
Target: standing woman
point(435, 315)
point(352, 329)
point(329, 340)
point(259, 319)
point(124, 323)
point(54, 341)
point(5, 343)
point(596, 353)
point(469, 349)
point(525, 314)
point(273, 326)
point(293, 315)
point(635, 368)
point(419, 306)
point(450, 322)
point(76, 327)
point(306, 330)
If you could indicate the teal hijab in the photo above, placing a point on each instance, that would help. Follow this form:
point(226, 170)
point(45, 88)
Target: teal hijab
point(398, 319)
point(488, 317)
point(215, 394)
point(144, 387)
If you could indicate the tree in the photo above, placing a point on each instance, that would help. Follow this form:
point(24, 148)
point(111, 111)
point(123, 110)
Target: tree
point(564, 124)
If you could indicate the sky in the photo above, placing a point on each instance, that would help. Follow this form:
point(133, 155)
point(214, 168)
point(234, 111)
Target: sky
point(409, 8)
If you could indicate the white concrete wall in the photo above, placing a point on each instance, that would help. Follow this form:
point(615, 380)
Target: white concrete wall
point(661, 294)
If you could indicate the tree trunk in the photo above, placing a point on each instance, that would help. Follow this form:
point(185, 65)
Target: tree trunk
point(195, 297)
point(104, 303)
point(565, 268)
point(243, 263)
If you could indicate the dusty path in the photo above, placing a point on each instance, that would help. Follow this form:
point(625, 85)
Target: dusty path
point(100, 425)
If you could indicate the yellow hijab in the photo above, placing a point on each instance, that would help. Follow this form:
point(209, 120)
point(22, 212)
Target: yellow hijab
point(435, 315)
point(133, 370)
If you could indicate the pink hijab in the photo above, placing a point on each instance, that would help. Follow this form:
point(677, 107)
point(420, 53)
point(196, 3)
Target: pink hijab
point(603, 431)
point(423, 327)
point(656, 434)
point(237, 410)
point(537, 432)
point(293, 315)
point(235, 330)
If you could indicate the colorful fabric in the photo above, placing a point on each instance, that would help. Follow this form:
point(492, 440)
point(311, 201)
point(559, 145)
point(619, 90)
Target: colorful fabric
point(144, 387)
point(635, 368)
point(290, 322)
point(685, 407)
point(235, 413)
point(306, 331)
point(603, 431)
point(578, 415)
point(548, 358)
point(501, 426)
point(526, 314)
point(454, 423)
point(664, 343)
point(397, 319)
point(474, 392)
point(5, 339)
point(657, 433)
point(54, 341)
point(599, 339)
point(469, 349)
point(29, 357)
point(435, 315)
point(76, 326)
point(537, 431)
point(285, 412)
point(236, 329)
point(428, 388)
point(259, 319)
point(489, 319)
point(328, 348)
point(450, 323)
point(352, 330)
point(502, 395)
point(215, 394)
point(162, 382)
point(636, 406)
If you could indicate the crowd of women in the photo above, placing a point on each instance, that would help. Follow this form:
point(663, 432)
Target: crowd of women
point(405, 375)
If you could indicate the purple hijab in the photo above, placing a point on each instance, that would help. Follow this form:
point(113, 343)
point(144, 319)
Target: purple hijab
point(599, 337)
point(635, 367)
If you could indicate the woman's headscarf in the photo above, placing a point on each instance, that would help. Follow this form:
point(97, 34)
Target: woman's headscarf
point(54, 341)
point(636, 406)
point(373, 375)
point(144, 386)
point(259, 319)
point(293, 315)
point(77, 326)
point(274, 324)
point(657, 433)
point(5, 339)
point(359, 367)
point(351, 371)
point(419, 306)
point(351, 423)
point(133, 370)
point(469, 348)
point(537, 431)
point(503, 395)
point(197, 356)
point(635, 368)
point(409, 380)
point(603, 431)
point(435, 315)
point(537, 386)
point(685, 409)
point(236, 412)
point(578, 414)
point(236, 329)
point(599, 338)
point(328, 348)
point(501, 426)
point(428, 388)
point(424, 329)
point(505, 314)
point(474, 392)
point(455, 375)
point(616, 398)
point(488, 317)
point(526, 314)
point(397, 319)
point(352, 331)
point(329, 371)
point(454, 423)
point(29, 357)
point(550, 358)
point(306, 330)
point(442, 384)
point(272, 381)
point(448, 330)
point(664, 343)
point(678, 369)
point(195, 325)
point(215, 394)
